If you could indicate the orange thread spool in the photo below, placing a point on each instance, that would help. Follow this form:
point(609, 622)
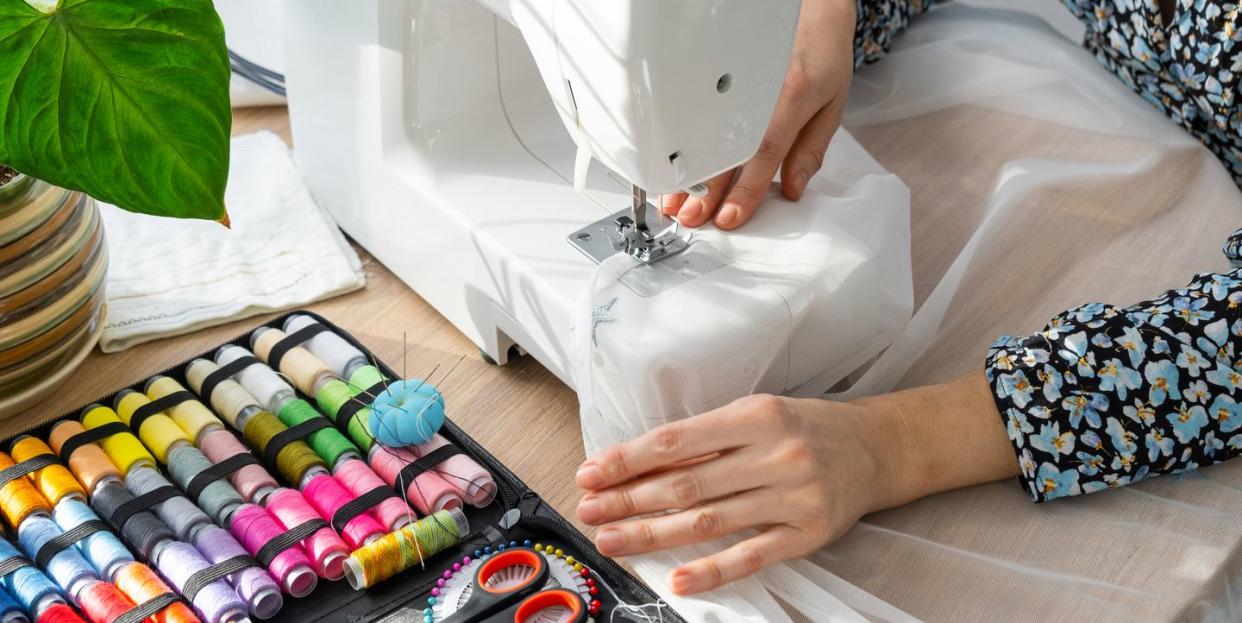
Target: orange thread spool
point(18, 498)
point(89, 462)
point(103, 602)
point(55, 482)
point(141, 584)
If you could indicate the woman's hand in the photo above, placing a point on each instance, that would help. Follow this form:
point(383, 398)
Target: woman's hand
point(807, 115)
point(802, 472)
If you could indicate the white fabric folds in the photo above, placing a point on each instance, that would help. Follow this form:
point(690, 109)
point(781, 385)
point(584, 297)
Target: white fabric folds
point(172, 276)
point(1038, 182)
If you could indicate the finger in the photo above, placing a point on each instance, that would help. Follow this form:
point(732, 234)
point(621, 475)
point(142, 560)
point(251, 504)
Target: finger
point(695, 525)
point(679, 488)
point(752, 182)
point(771, 546)
point(698, 210)
point(717, 430)
point(807, 154)
point(672, 202)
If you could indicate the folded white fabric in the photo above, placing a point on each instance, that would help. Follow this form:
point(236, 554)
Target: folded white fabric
point(172, 276)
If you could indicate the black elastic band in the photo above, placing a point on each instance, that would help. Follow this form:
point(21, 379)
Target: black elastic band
point(359, 505)
point(91, 435)
point(195, 487)
point(358, 403)
point(58, 543)
point(146, 609)
point(11, 564)
point(29, 466)
point(200, 579)
point(424, 463)
point(290, 341)
point(223, 372)
point(287, 539)
point(163, 403)
point(126, 511)
point(290, 435)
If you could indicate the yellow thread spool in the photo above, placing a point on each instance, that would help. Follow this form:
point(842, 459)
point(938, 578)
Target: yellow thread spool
point(55, 482)
point(303, 368)
point(123, 448)
point(18, 498)
point(191, 416)
point(89, 462)
point(159, 432)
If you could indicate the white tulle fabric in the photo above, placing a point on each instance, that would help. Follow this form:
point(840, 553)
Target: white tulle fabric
point(1037, 182)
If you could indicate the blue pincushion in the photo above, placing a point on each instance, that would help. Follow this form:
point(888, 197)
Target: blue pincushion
point(408, 412)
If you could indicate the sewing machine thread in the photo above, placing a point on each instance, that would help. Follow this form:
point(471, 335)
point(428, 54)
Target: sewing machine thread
point(326, 550)
point(405, 548)
point(254, 528)
point(327, 496)
point(55, 482)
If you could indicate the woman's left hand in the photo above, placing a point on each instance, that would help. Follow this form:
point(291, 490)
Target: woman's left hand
point(800, 471)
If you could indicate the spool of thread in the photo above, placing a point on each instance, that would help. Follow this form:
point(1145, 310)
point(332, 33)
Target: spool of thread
point(18, 498)
point(191, 416)
point(28, 584)
point(407, 412)
point(326, 550)
point(259, 380)
point(341, 356)
point(332, 395)
point(253, 527)
point(304, 369)
point(89, 463)
point(410, 546)
point(219, 499)
point(294, 460)
point(228, 398)
point(55, 482)
point(140, 584)
point(473, 482)
point(252, 481)
point(105, 553)
point(124, 449)
point(10, 610)
point(359, 478)
point(327, 496)
point(67, 568)
point(59, 613)
point(329, 443)
point(158, 432)
point(103, 602)
point(178, 513)
point(254, 585)
point(428, 492)
point(143, 530)
point(215, 602)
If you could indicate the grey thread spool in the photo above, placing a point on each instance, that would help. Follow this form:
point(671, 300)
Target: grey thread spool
point(179, 512)
point(219, 499)
point(142, 530)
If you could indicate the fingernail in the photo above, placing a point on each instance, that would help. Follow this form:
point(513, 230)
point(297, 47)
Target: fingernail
point(728, 214)
point(589, 509)
point(589, 476)
point(682, 582)
point(609, 541)
point(690, 210)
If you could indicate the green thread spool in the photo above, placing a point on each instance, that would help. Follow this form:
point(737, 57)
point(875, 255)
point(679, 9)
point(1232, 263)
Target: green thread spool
point(329, 443)
point(332, 396)
point(293, 460)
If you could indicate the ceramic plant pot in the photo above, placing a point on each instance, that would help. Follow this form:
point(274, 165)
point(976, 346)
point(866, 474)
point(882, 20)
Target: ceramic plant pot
point(52, 265)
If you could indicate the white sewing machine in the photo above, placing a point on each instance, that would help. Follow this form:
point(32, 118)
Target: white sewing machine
point(447, 137)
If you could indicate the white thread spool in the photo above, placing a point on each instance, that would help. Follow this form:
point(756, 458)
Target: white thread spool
point(340, 355)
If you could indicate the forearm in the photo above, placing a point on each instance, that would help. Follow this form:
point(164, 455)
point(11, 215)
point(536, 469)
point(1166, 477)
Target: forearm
point(937, 438)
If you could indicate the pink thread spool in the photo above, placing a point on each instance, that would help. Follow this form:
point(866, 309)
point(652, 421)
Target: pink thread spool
point(429, 492)
point(474, 483)
point(252, 481)
point(328, 496)
point(359, 478)
point(253, 527)
point(326, 549)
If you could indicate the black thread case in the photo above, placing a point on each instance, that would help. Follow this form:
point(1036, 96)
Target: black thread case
point(401, 599)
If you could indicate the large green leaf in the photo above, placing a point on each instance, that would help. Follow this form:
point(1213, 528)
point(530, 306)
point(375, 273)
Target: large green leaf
point(126, 100)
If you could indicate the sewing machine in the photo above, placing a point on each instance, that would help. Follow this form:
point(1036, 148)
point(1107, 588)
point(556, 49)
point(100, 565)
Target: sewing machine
point(453, 139)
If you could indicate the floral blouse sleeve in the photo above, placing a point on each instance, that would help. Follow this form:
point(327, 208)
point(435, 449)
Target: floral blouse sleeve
point(1105, 396)
point(879, 21)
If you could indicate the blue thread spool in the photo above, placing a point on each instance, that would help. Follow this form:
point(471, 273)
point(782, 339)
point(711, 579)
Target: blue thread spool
point(34, 590)
point(409, 412)
point(67, 568)
point(10, 610)
point(102, 549)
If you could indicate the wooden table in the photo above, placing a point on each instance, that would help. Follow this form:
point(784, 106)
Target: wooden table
point(495, 405)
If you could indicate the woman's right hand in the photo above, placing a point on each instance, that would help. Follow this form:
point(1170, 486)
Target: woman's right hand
point(807, 114)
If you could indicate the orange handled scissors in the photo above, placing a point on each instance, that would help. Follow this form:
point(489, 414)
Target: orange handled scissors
point(511, 587)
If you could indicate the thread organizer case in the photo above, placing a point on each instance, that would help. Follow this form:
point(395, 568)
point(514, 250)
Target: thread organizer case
point(516, 521)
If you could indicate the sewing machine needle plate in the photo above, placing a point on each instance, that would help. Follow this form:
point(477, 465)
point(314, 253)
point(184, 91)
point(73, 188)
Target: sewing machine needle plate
point(604, 238)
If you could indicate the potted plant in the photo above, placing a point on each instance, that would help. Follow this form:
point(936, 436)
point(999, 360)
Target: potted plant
point(123, 101)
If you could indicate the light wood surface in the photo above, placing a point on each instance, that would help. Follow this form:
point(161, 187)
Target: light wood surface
point(520, 412)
